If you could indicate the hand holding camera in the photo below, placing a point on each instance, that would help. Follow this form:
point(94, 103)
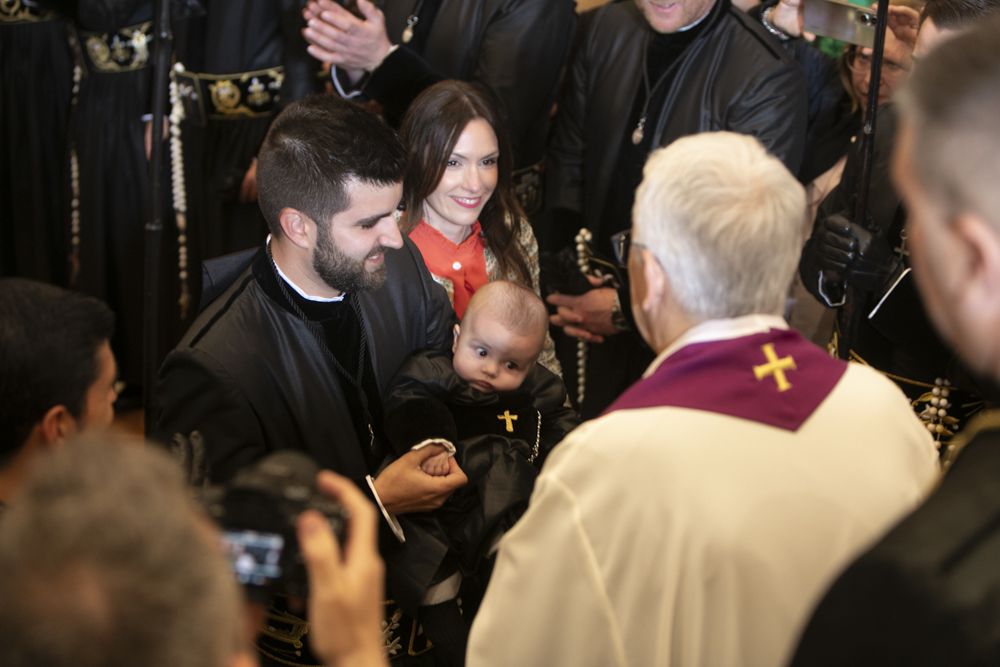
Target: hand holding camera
point(290, 529)
point(345, 582)
point(258, 512)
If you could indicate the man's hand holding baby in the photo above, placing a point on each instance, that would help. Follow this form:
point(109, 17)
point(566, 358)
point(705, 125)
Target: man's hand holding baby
point(440, 464)
point(404, 486)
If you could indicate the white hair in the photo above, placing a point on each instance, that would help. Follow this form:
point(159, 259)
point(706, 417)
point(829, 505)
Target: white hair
point(725, 219)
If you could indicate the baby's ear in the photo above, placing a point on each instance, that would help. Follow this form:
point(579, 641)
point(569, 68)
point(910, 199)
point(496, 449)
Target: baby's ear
point(454, 342)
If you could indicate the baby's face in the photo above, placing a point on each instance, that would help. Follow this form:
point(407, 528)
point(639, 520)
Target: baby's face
point(491, 357)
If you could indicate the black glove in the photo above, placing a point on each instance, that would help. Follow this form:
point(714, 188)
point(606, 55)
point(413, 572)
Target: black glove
point(850, 253)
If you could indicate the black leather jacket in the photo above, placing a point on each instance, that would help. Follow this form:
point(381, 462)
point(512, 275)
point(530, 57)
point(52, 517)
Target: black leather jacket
point(252, 378)
point(516, 47)
point(733, 77)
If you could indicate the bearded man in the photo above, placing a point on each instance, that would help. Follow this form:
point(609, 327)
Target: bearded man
point(295, 354)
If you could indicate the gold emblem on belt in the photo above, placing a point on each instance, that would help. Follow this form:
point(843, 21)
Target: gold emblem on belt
point(225, 95)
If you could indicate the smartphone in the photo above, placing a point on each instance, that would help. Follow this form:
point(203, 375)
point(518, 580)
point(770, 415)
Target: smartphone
point(841, 20)
point(255, 558)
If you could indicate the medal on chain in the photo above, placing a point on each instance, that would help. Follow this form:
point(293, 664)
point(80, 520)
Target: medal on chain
point(411, 23)
point(639, 130)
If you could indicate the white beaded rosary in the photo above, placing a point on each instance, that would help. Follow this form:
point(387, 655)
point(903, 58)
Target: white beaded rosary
point(178, 188)
point(583, 254)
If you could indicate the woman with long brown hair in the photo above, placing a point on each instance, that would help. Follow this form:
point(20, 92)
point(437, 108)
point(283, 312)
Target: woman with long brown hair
point(461, 210)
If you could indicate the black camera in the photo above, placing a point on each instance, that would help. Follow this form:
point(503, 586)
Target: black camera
point(257, 511)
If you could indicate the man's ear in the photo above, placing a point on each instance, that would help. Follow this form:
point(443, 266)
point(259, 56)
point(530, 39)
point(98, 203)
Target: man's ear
point(456, 331)
point(56, 425)
point(297, 227)
point(980, 263)
point(656, 280)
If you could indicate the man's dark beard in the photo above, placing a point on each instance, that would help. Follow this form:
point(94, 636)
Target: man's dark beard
point(340, 271)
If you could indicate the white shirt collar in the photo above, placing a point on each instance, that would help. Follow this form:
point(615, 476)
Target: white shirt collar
point(696, 21)
point(299, 290)
point(725, 329)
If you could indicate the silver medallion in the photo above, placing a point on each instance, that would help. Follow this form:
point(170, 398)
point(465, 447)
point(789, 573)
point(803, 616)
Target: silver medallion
point(637, 133)
point(411, 21)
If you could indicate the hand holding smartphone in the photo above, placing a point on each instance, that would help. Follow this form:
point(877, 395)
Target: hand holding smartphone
point(841, 20)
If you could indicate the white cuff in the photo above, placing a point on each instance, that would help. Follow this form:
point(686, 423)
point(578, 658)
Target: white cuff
point(830, 302)
point(340, 90)
point(450, 448)
point(443, 591)
point(390, 519)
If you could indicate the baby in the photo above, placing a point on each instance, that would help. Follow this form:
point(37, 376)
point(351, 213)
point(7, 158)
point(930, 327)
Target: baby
point(499, 414)
point(495, 346)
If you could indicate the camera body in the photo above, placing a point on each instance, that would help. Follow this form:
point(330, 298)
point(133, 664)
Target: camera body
point(257, 512)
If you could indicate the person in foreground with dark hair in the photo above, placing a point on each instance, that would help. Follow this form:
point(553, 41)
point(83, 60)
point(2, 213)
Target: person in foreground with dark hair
point(57, 373)
point(118, 570)
point(927, 593)
point(297, 352)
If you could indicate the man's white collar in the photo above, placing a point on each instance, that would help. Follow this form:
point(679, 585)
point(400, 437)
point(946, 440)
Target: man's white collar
point(724, 329)
point(301, 292)
point(696, 21)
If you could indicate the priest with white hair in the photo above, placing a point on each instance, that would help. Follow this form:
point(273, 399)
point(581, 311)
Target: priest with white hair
point(697, 521)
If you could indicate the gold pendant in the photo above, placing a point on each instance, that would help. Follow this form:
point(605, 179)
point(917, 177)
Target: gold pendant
point(638, 133)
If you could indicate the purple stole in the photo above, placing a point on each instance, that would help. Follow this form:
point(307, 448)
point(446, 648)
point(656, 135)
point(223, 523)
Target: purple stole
point(777, 378)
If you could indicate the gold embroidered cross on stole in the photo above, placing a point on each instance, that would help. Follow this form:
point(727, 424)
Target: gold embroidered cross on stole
point(775, 367)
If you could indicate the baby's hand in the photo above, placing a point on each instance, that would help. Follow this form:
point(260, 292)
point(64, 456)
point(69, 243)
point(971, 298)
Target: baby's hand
point(436, 465)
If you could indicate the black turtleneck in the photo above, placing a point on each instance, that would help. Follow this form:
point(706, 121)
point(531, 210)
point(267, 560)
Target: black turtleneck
point(663, 53)
point(342, 331)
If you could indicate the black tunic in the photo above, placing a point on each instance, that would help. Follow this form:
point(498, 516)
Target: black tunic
point(36, 80)
point(236, 36)
point(107, 133)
